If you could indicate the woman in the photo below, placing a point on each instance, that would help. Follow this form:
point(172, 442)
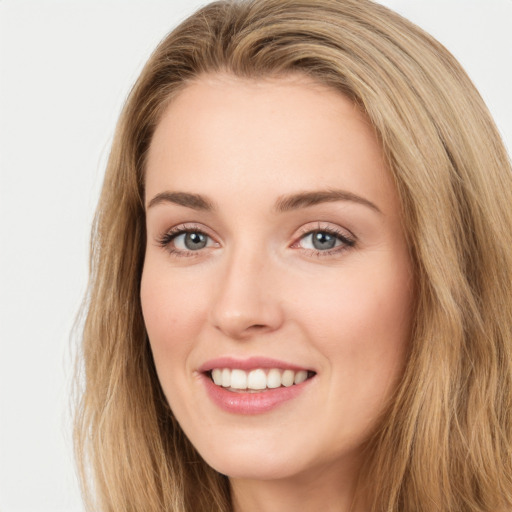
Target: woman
point(301, 274)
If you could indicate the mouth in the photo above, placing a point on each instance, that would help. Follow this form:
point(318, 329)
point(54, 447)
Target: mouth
point(257, 380)
point(255, 385)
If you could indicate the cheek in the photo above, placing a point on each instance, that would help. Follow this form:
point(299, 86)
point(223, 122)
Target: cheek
point(360, 319)
point(173, 312)
point(363, 329)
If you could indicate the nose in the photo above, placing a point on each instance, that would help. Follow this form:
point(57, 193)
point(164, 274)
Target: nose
point(247, 302)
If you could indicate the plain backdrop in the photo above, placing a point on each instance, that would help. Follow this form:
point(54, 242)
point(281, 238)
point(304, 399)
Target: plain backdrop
point(65, 69)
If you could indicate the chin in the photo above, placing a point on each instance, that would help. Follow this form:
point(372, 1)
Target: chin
point(255, 469)
point(246, 460)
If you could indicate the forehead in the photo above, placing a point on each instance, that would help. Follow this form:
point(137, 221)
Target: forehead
point(224, 134)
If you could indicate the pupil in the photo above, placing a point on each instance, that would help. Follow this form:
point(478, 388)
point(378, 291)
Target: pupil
point(323, 241)
point(195, 241)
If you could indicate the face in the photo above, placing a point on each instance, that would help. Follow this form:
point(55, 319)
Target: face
point(277, 284)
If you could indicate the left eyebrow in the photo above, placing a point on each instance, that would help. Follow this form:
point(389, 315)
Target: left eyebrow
point(306, 199)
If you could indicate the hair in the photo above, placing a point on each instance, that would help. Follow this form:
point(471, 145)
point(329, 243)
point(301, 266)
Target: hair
point(444, 444)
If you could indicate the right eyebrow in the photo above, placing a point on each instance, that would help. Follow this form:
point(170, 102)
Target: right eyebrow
point(194, 201)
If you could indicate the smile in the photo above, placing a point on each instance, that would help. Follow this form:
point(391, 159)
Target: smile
point(255, 385)
point(259, 379)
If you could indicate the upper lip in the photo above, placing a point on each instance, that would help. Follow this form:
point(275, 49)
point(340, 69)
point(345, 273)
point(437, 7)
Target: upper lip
point(248, 364)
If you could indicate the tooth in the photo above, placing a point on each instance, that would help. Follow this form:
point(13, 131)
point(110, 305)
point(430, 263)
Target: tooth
point(274, 378)
point(287, 378)
point(238, 379)
point(300, 376)
point(217, 376)
point(257, 379)
point(226, 377)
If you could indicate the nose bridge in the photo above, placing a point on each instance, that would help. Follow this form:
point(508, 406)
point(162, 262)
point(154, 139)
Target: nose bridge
point(246, 301)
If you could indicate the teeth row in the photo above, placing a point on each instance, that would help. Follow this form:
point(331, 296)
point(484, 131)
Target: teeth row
point(257, 379)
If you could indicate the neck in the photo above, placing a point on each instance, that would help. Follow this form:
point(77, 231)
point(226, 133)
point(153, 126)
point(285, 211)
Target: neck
point(326, 489)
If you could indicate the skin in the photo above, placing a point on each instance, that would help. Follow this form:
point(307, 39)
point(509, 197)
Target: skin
point(260, 288)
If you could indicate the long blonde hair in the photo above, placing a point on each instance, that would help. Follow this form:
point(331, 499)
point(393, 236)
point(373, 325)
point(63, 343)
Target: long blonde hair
point(445, 442)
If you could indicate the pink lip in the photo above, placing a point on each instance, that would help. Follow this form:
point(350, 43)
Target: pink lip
point(249, 364)
point(250, 403)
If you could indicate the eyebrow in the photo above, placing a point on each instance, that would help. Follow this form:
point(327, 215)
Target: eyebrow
point(305, 199)
point(194, 201)
point(283, 204)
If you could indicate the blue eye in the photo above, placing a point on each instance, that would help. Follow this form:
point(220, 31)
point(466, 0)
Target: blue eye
point(190, 241)
point(323, 240)
point(183, 240)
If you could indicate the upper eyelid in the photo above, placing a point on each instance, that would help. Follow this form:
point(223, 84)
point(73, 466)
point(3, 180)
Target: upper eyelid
point(186, 227)
point(328, 227)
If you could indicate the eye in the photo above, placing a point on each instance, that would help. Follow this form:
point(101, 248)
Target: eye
point(320, 241)
point(325, 241)
point(190, 241)
point(185, 240)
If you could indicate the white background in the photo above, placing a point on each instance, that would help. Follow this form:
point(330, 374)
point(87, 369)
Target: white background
point(65, 68)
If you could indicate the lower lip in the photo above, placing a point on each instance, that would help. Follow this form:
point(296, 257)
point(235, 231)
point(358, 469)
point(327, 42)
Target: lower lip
point(252, 403)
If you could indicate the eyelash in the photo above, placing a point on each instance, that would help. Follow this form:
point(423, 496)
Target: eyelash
point(347, 241)
point(165, 240)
